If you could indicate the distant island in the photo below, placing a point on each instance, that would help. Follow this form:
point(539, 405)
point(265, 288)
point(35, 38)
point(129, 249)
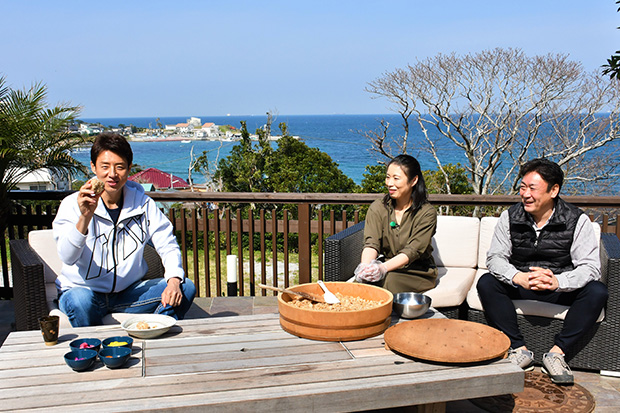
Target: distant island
point(191, 130)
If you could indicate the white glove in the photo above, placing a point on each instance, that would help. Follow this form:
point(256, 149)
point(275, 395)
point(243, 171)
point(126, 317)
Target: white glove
point(372, 272)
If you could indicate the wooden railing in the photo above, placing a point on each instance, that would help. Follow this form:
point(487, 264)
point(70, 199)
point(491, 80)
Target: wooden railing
point(212, 225)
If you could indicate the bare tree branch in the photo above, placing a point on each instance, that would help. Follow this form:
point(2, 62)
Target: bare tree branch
point(499, 108)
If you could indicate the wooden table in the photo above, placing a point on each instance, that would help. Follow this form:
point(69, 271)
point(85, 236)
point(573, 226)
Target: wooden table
point(243, 363)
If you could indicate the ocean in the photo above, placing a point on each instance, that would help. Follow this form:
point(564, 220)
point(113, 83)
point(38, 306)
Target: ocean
point(337, 135)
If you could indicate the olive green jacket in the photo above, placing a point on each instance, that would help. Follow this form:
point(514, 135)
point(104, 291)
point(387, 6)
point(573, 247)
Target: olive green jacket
point(412, 238)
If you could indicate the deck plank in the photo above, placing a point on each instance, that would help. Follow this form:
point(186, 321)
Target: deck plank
point(391, 390)
point(238, 363)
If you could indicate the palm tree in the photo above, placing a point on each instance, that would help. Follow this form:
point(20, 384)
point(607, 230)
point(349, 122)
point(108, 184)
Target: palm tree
point(32, 136)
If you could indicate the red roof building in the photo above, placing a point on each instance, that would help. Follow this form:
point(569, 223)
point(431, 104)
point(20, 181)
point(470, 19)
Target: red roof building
point(160, 179)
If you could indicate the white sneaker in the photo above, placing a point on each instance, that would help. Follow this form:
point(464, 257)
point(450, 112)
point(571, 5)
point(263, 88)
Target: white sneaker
point(522, 358)
point(557, 369)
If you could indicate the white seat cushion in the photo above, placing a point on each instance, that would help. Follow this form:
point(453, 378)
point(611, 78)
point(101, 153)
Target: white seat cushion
point(487, 228)
point(473, 300)
point(42, 241)
point(452, 286)
point(455, 243)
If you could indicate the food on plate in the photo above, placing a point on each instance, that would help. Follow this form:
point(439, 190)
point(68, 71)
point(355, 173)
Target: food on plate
point(142, 325)
point(117, 344)
point(86, 345)
point(347, 303)
point(97, 185)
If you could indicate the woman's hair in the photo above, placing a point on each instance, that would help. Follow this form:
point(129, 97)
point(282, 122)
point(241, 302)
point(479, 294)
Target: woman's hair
point(411, 168)
point(112, 142)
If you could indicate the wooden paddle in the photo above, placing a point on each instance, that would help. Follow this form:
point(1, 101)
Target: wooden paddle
point(307, 296)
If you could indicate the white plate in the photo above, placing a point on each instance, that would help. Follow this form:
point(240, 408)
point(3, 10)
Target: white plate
point(159, 324)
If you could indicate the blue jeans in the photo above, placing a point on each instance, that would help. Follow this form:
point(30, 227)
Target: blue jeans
point(85, 307)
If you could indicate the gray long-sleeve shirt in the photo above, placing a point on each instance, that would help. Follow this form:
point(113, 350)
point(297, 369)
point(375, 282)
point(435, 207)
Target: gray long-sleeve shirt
point(584, 254)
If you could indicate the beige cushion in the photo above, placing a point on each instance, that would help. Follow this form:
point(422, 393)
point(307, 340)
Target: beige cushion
point(452, 286)
point(455, 243)
point(473, 300)
point(42, 241)
point(487, 227)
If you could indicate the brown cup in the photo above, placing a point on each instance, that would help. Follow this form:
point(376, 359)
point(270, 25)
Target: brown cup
point(49, 329)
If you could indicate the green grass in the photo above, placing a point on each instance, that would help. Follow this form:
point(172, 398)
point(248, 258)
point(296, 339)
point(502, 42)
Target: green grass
point(293, 275)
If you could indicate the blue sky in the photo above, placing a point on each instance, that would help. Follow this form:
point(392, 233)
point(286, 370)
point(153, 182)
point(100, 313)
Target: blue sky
point(195, 58)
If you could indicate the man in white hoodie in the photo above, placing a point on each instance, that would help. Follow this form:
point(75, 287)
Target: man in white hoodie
point(101, 239)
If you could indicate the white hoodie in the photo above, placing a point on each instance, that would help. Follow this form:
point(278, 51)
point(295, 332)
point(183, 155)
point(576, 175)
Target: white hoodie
point(109, 258)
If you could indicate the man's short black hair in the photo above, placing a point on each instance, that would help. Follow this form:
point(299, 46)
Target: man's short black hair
point(112, 142)
point(549, 171)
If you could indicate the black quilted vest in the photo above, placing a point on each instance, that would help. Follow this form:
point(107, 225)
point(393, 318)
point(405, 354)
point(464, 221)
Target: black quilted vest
point(552, 249)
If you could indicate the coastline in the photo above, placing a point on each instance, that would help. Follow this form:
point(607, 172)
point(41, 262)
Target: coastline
point(338, 136)
point(188, 139)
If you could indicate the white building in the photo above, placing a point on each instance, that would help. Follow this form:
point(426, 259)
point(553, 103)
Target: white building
point(194, 123)
point(86, 128)
point(211, 130)
point(44, 180)
point(182, 127)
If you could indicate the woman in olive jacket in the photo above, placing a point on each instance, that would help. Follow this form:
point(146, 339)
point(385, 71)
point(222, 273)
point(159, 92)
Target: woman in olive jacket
point(398, 231)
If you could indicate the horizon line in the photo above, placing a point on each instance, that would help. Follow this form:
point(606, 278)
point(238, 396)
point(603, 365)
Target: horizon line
point(235, 115)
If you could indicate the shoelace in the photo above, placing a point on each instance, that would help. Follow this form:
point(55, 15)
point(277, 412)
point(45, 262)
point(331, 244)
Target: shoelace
point(518, 354)
point(561, 362)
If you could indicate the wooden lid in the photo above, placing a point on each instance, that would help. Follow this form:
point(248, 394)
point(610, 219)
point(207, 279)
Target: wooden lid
point(447, 341)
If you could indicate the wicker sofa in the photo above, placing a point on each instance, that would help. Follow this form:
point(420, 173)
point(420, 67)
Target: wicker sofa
point(456, 250)
point(456, 295)
point(35, 265)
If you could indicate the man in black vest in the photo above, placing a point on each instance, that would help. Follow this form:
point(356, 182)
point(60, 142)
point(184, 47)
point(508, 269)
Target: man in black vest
point(543, 249)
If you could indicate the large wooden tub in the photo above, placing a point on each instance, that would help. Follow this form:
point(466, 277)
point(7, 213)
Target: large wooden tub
point(337, 326)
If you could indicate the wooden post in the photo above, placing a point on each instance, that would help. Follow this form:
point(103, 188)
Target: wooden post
point(321, 231)
point(251, 251)
point(184, 239)
point(305, 260)
point(240, 251)
point(195, 250)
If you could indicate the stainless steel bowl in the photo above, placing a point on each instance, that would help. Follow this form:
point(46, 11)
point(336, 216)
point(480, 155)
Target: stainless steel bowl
point(411, 305)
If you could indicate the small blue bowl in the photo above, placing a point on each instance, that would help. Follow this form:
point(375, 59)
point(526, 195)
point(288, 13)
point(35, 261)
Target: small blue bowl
point(114, 357)
point(93, 344)
point(118, 339)
point(80, 360)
